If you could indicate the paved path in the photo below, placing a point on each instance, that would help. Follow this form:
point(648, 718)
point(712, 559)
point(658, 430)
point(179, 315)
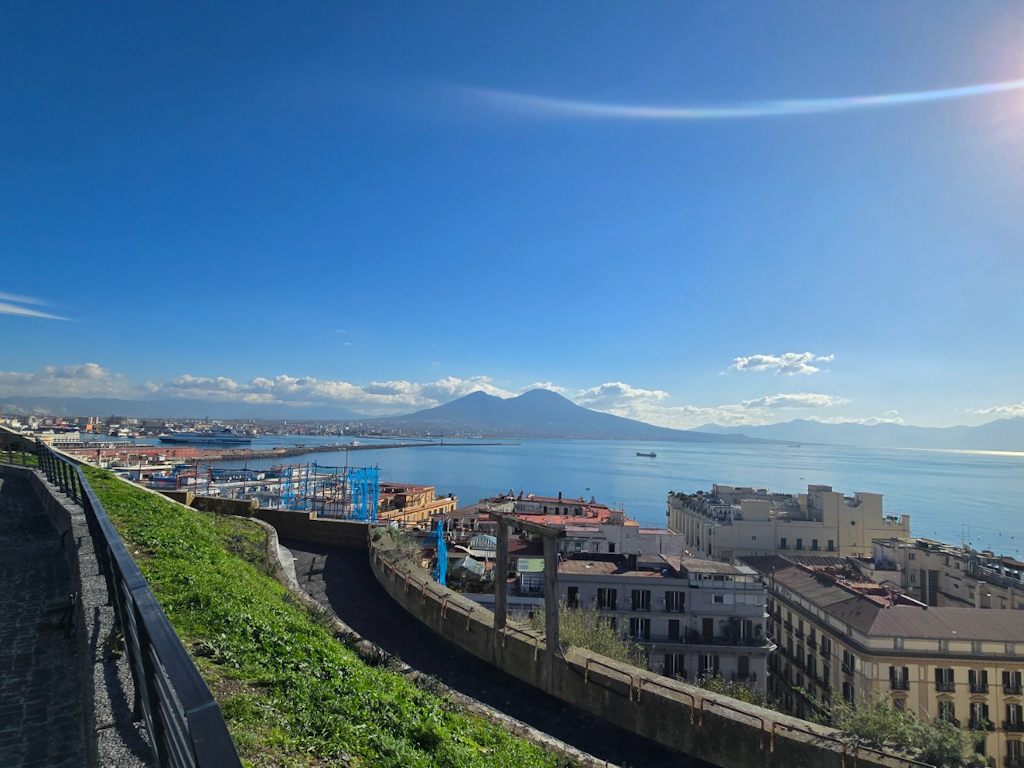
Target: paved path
point(341, 577)
point(41, 717)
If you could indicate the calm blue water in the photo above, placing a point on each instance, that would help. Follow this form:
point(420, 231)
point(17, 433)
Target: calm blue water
point(979, 497)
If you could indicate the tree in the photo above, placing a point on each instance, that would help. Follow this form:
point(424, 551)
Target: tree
point(876, 723)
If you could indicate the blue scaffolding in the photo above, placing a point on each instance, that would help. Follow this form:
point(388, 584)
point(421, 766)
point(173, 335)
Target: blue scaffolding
point(342, 493)
point(440, 572)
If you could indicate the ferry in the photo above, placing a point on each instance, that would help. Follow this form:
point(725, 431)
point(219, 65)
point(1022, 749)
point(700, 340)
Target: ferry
point(651, 455)
point(222, 436)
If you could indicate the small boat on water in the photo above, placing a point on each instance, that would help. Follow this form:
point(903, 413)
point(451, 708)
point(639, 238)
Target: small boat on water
point(648, 455)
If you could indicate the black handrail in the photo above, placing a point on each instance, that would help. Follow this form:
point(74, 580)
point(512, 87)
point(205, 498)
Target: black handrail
point(185, 724)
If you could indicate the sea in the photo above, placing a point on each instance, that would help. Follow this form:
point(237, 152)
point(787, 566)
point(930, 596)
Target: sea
point(972, 497)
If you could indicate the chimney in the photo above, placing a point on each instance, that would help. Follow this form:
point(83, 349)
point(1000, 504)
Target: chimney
point(559, 495)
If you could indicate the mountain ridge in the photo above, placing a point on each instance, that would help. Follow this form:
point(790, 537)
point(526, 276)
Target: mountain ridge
point(999, 435)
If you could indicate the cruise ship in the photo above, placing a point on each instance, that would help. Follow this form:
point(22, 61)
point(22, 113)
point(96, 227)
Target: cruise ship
point(221, 436)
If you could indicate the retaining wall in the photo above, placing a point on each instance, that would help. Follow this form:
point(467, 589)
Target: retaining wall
point(711, 727)
point(301, 526)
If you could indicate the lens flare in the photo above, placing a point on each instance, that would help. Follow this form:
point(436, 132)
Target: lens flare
point(547, 106)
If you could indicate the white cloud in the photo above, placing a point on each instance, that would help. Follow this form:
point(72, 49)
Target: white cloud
point(542, 385)
point(617, 394)
point(12, 309)
point(86, 380)
point(1015, 409)
point(795, 400)
point(789, 363)
point(889, 417)
point(648, 405)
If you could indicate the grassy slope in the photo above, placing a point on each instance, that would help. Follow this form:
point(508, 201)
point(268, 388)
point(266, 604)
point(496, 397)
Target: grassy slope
point(292, 694)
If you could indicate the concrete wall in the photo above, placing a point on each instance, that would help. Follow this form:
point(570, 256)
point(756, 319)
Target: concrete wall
point(301, 526)
point(712, 727)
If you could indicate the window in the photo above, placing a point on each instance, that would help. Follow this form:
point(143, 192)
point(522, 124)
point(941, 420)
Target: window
point(673, 629)
point(897, 643)
point(975, 646)
point(912, 556)
point(979, 716)
point(799, 544)
point(1009, 649)
point(611, 549)
point(978, 680)
point(831, 545)
point(848, 693)
point(709, 664)
point(573, 597)
point(947, 711)
point(607, 598)
point(718, 599)
point(814, 545)
point(1011, 683)
point(675, 601)
point(944, 680)
point(849, 663)
point(943, 646)
point(675, 665)
point(641, 599)
point(826, 647)
point(640, 629)
point(1014, 752)
point(899, 678)
point(782, 543)
point(1014, 721)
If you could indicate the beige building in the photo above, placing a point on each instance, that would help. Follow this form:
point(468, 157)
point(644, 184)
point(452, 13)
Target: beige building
point(946, 576)
point(733, 522)
point(405, 504)
point(840, 637)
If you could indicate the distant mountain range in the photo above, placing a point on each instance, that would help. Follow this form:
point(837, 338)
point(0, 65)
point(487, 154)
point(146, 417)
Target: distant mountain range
point(542, 413)
point(167, 409)
point(999, 435)
point(539, 413)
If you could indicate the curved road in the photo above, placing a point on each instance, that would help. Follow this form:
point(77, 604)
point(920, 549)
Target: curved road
point(341, 577)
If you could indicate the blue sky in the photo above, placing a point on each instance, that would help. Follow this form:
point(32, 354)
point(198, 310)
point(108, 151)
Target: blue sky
point(385, 206)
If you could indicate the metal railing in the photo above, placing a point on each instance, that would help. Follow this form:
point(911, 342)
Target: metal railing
point(185, 724)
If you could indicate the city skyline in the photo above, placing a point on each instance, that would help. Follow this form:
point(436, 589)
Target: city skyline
point(677, 214)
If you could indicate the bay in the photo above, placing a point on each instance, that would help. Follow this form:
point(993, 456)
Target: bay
point(950, 496)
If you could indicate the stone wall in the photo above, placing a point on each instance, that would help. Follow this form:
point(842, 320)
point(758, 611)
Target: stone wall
point(711, 727)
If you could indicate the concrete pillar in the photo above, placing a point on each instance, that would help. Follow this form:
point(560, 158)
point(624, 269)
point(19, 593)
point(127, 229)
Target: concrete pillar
point(550, 608)
point(501, 581)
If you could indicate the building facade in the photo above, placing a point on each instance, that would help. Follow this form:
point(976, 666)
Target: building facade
point(840, 637)
point(693, 618)
point(732, 522)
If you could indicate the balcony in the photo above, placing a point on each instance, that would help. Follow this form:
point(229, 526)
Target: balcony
point(1013, 761)
point(1015, 727)
point(788, 626)
point(979, 687)
point(899, 685)
point(847, 668)
point(945, 686)
point(981, 725)
point(1011, 689)
point(799, 633)
point(812, 643)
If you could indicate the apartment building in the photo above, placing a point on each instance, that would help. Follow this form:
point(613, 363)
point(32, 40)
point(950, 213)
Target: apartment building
point(405, 504)
point(692, 617)
point(838, 635)
point(943, 575)
point(731, 522)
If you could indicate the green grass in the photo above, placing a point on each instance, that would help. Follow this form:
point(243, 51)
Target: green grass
point(292, 693)
point(21, 459)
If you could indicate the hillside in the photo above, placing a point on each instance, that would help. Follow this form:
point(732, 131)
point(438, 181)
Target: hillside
point(999, 435)
point(539, 413)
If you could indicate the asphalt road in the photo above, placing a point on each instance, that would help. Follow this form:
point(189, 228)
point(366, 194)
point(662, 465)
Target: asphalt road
point(341, 577)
